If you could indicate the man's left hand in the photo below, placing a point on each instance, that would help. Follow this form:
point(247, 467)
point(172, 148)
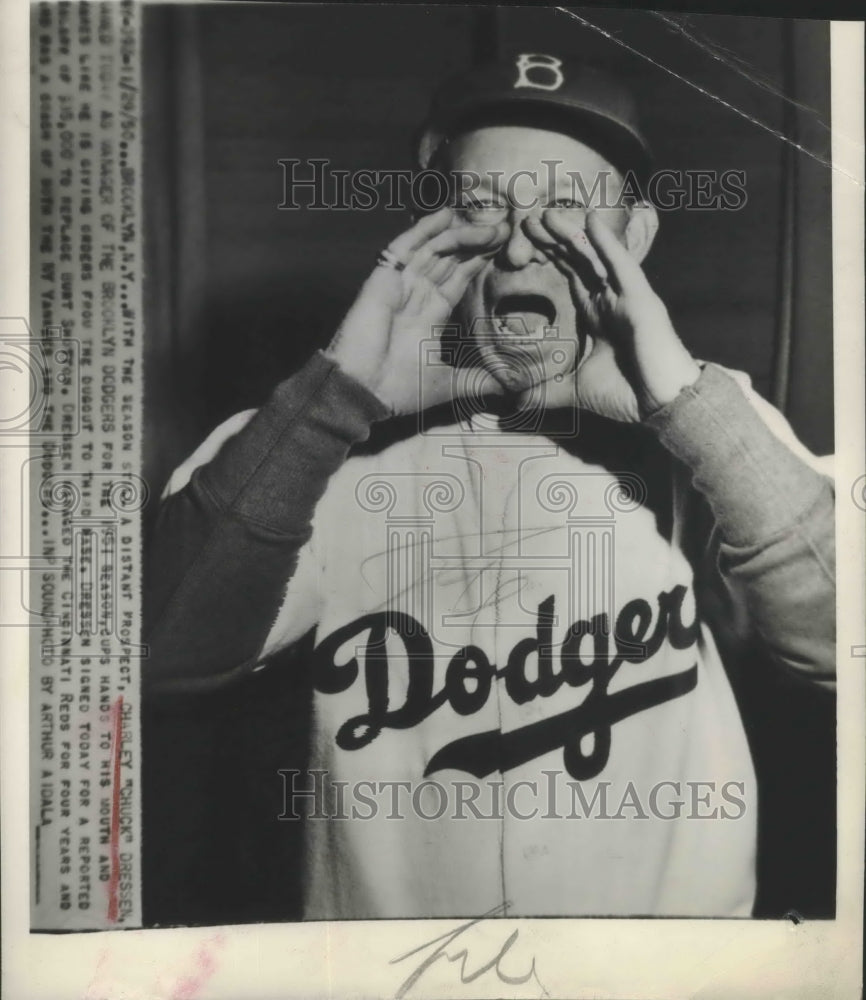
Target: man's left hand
point(633, 362)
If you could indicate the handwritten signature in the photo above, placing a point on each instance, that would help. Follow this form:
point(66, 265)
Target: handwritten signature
point(450, 574)
point(441, 951)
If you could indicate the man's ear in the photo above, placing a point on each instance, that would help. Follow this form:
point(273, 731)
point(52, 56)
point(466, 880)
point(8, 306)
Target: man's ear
point(641, 229)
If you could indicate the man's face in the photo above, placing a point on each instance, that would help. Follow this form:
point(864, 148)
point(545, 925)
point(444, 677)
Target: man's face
point(521, 292)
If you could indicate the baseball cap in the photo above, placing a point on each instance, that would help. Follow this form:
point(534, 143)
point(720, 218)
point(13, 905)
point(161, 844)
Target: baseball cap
point(555, 92)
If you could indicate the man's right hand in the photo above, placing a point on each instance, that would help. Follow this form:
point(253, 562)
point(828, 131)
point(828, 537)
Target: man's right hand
point(379, 341)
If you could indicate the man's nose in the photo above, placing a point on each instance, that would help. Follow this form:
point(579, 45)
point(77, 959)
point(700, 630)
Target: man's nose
point(518, 250)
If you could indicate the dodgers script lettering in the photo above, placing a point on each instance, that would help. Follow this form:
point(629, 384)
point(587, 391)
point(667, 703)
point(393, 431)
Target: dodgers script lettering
point(584, 658)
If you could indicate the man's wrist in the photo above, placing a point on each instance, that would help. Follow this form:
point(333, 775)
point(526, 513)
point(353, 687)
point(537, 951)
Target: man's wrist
point(364, 380)
point(669, 386)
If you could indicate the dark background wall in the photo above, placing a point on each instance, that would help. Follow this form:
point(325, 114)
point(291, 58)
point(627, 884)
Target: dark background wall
point(240, 293)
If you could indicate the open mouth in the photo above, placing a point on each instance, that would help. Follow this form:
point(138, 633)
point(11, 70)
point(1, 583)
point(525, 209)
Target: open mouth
point(524, 315)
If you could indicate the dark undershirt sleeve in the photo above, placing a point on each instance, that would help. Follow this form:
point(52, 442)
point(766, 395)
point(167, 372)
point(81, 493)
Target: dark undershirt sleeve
point(774, 512)
point(225, 546)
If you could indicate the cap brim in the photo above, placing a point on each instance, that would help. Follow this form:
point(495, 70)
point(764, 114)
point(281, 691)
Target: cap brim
point(615, 139)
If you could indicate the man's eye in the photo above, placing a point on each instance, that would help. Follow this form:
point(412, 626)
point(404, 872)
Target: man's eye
point(567, 203)
point(483, 213)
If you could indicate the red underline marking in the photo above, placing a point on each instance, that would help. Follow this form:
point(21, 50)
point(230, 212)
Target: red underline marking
point(114, 830)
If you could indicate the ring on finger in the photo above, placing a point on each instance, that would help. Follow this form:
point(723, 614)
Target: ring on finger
point(388, 258)
point(602, 285)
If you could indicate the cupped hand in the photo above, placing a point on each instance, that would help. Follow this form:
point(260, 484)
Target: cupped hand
point(634, 362)
point(381, 341)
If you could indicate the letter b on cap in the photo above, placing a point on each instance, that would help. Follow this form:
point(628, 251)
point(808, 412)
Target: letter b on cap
point(546, 72)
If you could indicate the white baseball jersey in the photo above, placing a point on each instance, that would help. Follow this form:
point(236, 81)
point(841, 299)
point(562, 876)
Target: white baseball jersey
point(491, 609)
point(518, 701)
